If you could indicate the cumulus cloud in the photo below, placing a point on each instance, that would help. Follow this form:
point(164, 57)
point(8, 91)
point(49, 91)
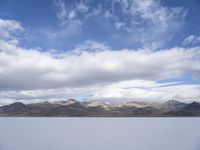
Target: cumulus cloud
point(29, 74)
point(95, 70)
point(191, 40)
point(20, 71)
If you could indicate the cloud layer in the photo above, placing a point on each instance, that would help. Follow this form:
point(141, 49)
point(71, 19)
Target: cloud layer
point(93, 70)
point(32, 69)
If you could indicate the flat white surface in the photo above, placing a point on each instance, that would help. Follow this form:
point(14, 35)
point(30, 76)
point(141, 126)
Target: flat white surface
point(99, 133)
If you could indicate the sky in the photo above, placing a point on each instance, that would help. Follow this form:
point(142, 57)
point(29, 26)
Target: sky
point(102, 50)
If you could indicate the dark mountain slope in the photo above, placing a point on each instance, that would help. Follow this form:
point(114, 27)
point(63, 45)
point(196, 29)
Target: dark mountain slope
point(73, 108)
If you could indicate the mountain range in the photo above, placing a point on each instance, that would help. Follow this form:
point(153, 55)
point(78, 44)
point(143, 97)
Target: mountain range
point(74, 108)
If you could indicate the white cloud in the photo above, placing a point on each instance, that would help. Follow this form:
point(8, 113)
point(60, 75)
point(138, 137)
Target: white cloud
point(72, 28)
point(90, 46)
point(142, 90)
point(150, 21)
point(94, 69)
point(82, 7)
point(192, 39)
point(137, 90)
point(61, 11)
point(106, 74)
point(119, 25)
point(20, 71)
point(8, 29)
point(147, 22)
point(71, 14)
point(69, 24)
point(67, 13)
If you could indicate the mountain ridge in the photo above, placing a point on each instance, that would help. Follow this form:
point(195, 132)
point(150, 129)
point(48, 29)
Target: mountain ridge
point(74, 108)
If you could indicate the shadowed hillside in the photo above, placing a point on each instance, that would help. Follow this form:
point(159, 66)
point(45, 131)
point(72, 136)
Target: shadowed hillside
point(74, 108)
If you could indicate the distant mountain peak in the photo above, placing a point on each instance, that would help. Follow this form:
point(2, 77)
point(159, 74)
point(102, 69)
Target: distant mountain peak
point(72, 107)
point(172, 101)
point(173, 104)
point(17, 104)
point(194, 104)
point(71, 101)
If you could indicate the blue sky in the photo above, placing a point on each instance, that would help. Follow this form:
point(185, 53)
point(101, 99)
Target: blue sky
point(84, 46)
point(37, 16)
